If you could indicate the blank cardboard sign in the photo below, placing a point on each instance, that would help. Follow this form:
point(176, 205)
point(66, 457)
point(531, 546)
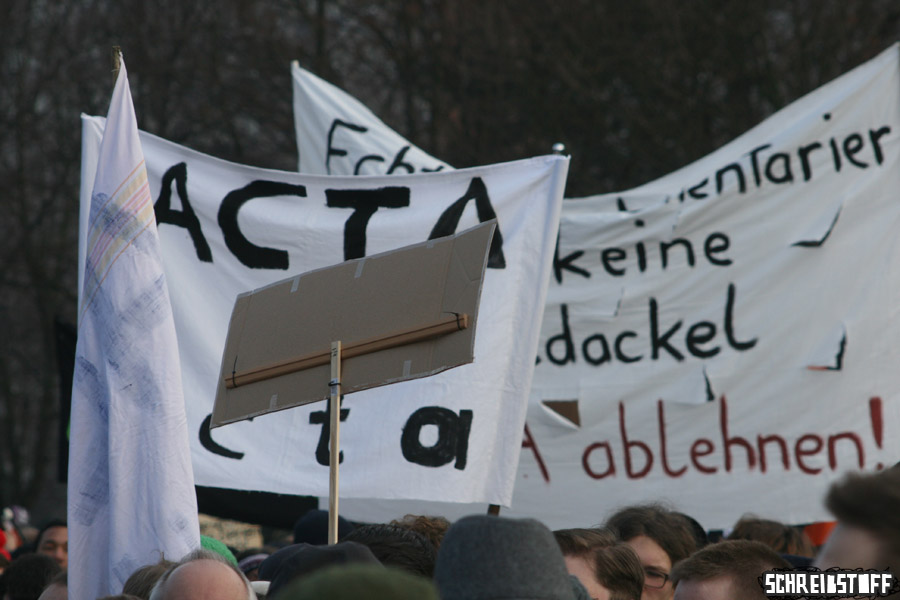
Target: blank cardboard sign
point(423, 297)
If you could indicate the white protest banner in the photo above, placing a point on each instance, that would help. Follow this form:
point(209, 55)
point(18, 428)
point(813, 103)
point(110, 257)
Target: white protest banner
point(727, 331)
point(227, 228)
point(131, 488)
point(352, 140)
point(721, 339)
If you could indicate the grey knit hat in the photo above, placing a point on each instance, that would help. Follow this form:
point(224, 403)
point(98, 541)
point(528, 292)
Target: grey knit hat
point(493, 558)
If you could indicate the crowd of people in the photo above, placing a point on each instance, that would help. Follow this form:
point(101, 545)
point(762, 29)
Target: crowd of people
point(642, 552)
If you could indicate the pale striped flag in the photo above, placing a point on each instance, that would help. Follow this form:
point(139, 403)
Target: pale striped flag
point(131, 486)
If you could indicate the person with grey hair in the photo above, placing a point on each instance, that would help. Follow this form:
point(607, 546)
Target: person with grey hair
point(203, 575)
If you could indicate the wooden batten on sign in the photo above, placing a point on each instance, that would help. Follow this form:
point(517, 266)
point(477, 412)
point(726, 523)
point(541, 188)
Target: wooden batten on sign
point(400, 315)
point(417, 334)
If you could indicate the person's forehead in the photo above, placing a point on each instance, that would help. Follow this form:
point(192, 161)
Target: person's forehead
point(577, 565)
point(57, 533)
point(582, 568)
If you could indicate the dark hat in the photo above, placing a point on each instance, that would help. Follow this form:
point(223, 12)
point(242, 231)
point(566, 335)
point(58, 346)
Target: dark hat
point(493, 558)
point(361, 582)
point(302, 559)
point(312, 528)
point(248, 563)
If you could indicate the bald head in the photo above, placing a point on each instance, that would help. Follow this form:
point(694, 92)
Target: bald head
point(203, 579)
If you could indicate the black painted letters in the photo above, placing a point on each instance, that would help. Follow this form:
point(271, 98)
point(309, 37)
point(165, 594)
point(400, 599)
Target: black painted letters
point(452, 442)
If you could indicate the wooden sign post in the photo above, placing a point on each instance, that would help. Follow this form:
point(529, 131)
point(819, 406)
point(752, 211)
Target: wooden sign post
point(335, 458)
point(388, 318)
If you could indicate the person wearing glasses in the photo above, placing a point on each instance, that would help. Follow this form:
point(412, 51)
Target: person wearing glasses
point(661, 538)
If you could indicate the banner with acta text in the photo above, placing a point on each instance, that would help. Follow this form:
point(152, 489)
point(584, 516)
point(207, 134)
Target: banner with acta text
point(722, 339)
point(226, 229)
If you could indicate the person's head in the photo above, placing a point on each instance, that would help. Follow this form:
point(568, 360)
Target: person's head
point(53, 540)
point(700, 535)
point(578, 548)
point(203, 575)
point(312, 528)
point(868, 531)
point(620, 571)
point(781, 538)
point(396, 546)
point(433, 528)
point(608, 568)
point(494, 558)
point(580, 541)
point(661, 538)
point(28, 575)
point(140, 583)
point(728, 570)
point(57, 589)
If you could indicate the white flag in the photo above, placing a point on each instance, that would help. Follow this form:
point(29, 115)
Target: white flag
point(131, 486)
